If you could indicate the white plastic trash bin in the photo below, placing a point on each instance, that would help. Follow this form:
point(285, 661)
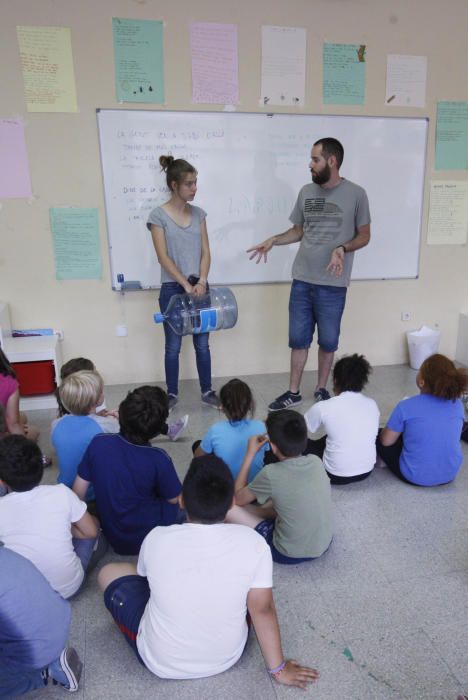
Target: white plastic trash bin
point(421, 345)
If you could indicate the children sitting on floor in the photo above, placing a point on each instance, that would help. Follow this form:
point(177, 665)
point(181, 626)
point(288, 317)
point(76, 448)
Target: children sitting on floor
point(295, 511)
point(135, 485)
point(182, 609)
point(421, 441)
point(80, 394)
point(228, 439)
point(173, 430)
point(351, 423)
point(48, 525)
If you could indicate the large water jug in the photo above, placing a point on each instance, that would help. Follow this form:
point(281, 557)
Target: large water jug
point(188, 314)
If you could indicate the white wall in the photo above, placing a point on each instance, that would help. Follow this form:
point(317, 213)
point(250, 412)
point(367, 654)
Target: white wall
point(65, 168)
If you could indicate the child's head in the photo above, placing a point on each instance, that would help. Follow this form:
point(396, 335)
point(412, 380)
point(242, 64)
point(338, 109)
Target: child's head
point(21, 465)
point(76, 364)
point(439, 376)
point(287, 431)
point(351, 373)
point(143, 413)
point(81, 392)
point(5, 367)
point(208, 490)
point(236, 400)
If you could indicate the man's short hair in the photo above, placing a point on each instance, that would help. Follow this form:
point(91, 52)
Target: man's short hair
point(288, 431)
point(351, 373)
point(21, 465)
point(80, 392)
point(143, 413)
point(331, 147)
point(208, 490)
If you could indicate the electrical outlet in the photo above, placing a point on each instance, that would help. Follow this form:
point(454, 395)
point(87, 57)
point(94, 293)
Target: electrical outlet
point(405, 315)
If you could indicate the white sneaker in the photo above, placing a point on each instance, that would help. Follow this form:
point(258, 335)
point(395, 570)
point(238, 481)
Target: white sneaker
point(175, 430)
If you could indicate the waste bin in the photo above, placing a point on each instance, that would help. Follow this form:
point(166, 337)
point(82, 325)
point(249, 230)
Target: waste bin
point(421, 345)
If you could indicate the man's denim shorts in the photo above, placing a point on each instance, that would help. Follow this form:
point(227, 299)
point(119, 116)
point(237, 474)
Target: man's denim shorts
point(311, 305)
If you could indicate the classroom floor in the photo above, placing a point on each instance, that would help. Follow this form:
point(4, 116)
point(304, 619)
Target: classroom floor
point(382, 615)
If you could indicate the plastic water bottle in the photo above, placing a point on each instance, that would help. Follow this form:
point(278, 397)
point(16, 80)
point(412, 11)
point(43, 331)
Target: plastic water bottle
point(189, 314)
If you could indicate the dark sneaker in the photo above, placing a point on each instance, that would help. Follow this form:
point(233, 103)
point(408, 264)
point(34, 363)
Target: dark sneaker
point(66, 670)
point(286, 400)
point(172, 401)
point(211, 399)
point(175, 430)
point(321, 395)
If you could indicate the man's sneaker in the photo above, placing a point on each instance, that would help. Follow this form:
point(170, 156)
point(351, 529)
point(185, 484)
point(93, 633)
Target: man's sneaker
point(321, 395)
point(66, 670)
point(211, 399)
point(175, 430)
point(172, 401)
point(286, 400)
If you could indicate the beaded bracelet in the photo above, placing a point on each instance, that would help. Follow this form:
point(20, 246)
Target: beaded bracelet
point(276, 671)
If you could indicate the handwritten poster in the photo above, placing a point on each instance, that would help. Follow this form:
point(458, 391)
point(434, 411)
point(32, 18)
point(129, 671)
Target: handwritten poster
point(139, 60)
point(15, 180)
point(47, 62)
point(406, 81)
point(214, 63)
point(77, 250)
point(448, 213)
point(344, 74)
point(283, 66)
point(452, 136)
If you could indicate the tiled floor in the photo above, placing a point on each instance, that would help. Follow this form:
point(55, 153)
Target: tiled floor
point(384, 614)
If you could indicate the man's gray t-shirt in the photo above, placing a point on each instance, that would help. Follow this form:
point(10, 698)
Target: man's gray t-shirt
point(329, 217)
point(183, 243)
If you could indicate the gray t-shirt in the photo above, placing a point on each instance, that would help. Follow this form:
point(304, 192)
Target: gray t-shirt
point(300, 490)
point(183, 244)
point(328, 217)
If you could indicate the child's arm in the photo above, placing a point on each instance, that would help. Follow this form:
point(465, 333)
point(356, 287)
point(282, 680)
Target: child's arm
point(243, 494)
point(80, 487)
point(261, 607)
point(85, 528)
point(388, 437)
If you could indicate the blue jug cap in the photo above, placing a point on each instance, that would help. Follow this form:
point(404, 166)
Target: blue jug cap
point(159, 318)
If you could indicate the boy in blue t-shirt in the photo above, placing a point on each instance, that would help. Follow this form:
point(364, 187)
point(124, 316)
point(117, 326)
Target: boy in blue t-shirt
point(135, 485)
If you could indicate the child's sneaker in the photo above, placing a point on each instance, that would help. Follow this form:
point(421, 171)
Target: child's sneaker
point(175, 430)
point(66, 670)
point(286, 400)
point(321, 395)
point(211, 399)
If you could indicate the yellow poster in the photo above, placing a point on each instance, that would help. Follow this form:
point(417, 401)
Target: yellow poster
point(47, 61)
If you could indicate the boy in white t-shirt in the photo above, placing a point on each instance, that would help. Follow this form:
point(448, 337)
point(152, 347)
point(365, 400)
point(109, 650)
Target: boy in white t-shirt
point(183, 608)
point(48, 525)
point(351, 423)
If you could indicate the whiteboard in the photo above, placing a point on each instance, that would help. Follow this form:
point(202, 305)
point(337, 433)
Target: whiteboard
point(250, 170)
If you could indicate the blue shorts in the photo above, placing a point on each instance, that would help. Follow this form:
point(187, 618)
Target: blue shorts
point(126, 598)
point(265, 529)
point(311, 305)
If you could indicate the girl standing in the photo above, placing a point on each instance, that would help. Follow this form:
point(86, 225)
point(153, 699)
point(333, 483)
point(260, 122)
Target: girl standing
point(180, 239)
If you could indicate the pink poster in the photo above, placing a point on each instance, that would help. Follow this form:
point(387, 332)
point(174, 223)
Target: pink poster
point(214, 63)
point(15, 180)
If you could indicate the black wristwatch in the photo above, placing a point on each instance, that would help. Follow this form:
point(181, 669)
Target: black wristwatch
point(342, 245)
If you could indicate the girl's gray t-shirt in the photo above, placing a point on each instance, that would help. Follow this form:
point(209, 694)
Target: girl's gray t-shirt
point(183, 243)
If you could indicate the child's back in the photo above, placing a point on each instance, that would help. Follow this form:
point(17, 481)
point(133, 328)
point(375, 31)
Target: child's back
point(228, 439)
point(135, 485)
point(301, 494)
point(71, 434)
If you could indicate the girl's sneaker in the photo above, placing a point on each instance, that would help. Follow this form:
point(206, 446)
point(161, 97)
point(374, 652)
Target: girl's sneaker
point(66, 670)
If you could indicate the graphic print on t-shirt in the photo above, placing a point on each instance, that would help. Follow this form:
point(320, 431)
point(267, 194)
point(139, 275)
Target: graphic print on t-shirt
point(322, 219)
